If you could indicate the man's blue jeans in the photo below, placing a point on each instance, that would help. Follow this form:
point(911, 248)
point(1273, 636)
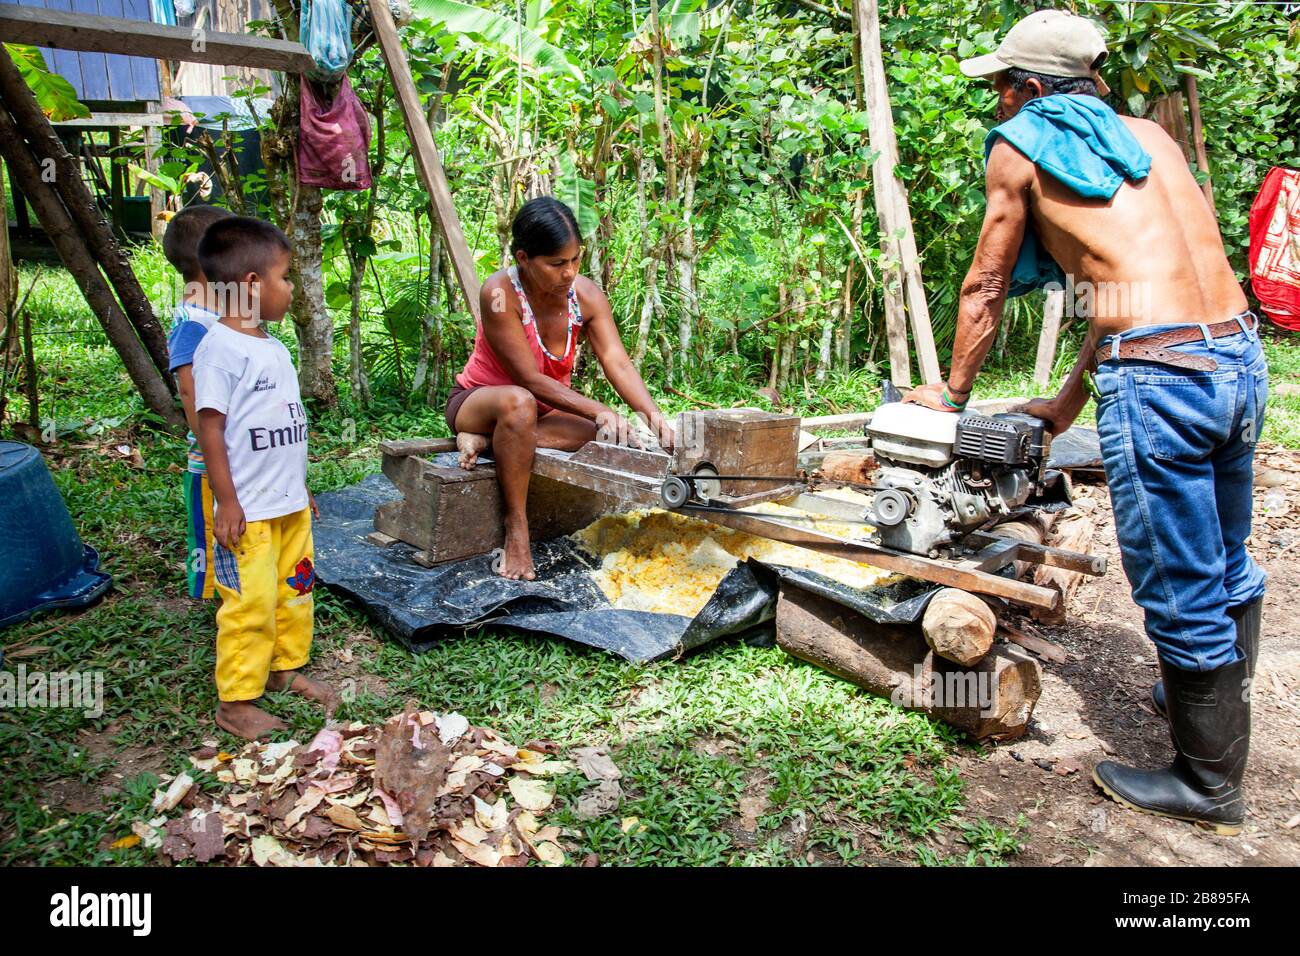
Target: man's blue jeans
point(1178, 446)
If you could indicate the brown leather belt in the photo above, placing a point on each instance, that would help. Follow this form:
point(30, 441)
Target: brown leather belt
point(1156, 348)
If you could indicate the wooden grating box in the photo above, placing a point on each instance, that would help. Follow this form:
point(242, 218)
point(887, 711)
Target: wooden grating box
point(738, 441)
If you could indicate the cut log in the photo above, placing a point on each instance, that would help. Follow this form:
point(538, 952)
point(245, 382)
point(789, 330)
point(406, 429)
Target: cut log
point(1073, 531)
point(959, 626)
point(855, 467)
point(995, 699)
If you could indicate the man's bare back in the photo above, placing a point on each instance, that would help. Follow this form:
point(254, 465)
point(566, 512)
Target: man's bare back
point(1157, 238)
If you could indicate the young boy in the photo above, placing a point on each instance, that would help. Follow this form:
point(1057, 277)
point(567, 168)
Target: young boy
point(190, 322)
point(253, 432)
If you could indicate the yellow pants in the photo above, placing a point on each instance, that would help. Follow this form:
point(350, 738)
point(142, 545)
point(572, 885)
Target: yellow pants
point(265, 620)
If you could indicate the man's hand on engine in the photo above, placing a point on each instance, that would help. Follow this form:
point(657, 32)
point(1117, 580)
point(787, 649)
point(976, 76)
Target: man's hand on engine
point(1046, 408)
point(931, 396)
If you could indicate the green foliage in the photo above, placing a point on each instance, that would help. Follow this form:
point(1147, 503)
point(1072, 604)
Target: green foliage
point(496, 29)
point(54, 94)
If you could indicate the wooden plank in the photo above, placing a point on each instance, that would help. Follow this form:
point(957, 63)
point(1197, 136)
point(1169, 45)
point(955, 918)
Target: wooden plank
point(417, 446)
point(110, 120)
point(427, 162)
point(827, 422)
point(1053, 310)
point(121, 85)
point(927, 569)
point(1048, 557)
point(1047, 650)
point(94, 67)
point(891, 195)
point(144, 70)
point(90, 33)
point(63, 62)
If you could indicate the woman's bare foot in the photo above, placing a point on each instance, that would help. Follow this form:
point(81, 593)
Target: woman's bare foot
point(517, 555)
point(469, 445)
point(245, 719)
point(302, 685)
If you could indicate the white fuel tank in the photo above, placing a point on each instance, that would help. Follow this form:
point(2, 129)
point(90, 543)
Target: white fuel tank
point(913, 433)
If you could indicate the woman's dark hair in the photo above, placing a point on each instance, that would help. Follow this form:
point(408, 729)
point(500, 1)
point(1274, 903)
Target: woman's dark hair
point(1019, 79)
point(542, 226)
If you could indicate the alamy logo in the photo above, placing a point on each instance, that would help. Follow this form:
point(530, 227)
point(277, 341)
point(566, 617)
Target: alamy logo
point(75, 908)
point(82, 690)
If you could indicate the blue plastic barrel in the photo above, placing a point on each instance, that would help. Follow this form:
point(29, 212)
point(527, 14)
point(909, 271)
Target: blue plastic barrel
point(43, 562)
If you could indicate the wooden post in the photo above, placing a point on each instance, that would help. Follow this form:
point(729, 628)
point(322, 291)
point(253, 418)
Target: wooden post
point(116, 192)
point(152, 141)
point(898, 242)
point(70, 244)
point(1198, 139)
point(1053, 310)
point(427, 162)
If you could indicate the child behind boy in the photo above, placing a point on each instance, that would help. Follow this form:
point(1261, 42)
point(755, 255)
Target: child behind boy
point(190, 322)
point(253, 432)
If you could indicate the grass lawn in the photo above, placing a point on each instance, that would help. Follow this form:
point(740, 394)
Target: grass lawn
point(736, 755)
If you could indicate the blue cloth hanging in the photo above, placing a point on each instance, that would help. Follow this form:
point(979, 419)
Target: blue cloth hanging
point(1081, 142)
point(325, 29)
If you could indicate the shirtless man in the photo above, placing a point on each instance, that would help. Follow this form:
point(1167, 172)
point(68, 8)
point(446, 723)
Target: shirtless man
point(1179, 409)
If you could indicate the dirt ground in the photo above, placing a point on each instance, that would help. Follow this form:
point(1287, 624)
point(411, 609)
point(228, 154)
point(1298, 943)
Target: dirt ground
point(1096, 706)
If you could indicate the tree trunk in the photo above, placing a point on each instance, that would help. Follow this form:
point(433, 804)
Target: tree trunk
point(649, 251)
point(357, 376)
point(428, 367)
point(68, 241)
point(684, 253)
point(312, 320)
point(995, 699)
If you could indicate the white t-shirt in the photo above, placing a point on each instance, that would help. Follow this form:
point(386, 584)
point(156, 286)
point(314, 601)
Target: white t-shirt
point(252, 381)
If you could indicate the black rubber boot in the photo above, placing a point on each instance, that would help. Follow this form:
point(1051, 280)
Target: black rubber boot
point(1248, 618)
point(1209, 721)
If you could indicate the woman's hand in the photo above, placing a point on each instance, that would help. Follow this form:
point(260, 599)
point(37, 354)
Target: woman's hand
point(664, 433)
point(613, 428)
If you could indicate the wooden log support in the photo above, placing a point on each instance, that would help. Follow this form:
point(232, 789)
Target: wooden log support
point(68, 242)
point(993, 700)
point(959, 626)
point(62, 172)
point(1073, 532)
point(427, 162)
point(852, 467)
point(64, 30)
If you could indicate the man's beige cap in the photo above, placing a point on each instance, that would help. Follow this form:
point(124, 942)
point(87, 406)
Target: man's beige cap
point(1052, 42)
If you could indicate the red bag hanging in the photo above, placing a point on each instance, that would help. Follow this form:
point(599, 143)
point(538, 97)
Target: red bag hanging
point(1275, 247)
point(333, 139)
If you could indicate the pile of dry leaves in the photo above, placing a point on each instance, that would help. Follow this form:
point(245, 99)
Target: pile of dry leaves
point(422, 788)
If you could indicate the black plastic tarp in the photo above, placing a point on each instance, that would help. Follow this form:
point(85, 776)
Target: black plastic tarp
point(421, 606)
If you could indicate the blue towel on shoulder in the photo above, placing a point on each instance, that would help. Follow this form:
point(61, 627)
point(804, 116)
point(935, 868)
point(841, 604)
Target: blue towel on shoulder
point(1084, 144)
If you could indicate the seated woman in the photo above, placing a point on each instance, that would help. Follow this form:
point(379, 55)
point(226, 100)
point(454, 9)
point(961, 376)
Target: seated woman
point(514, 391)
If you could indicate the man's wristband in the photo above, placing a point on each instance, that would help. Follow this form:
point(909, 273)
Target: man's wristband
point(951, 402)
